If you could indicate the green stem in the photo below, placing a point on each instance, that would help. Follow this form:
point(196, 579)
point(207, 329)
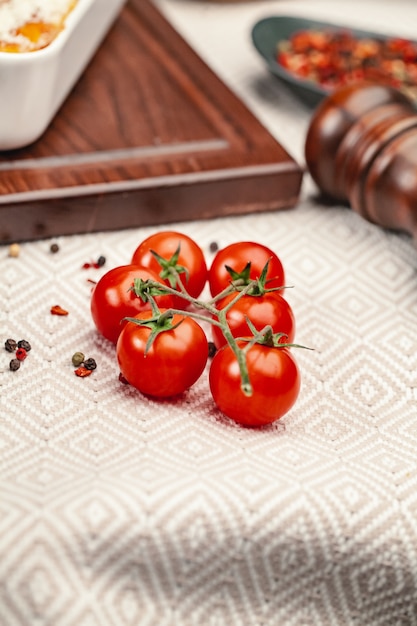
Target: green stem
point(230, 289)
point(200, 304)
point(238, 296)
point(196, 316)
point(240, 354)
point(217, 318)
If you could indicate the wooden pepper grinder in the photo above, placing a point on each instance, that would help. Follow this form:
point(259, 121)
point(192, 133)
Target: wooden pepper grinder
point(361, 148)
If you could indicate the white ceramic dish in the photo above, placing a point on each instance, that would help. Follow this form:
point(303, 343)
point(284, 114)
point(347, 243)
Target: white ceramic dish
point(35, 84)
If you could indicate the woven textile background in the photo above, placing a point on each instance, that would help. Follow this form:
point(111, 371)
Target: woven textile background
point(120, 511)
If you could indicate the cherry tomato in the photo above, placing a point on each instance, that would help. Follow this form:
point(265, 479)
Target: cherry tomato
point(112, 299)
point(190, 258)
point(237, 256)
point(174, 362)
point(275, 379)
point(269, 309)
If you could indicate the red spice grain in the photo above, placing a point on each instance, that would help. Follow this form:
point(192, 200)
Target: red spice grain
point(21, 354)
point(82, 372)
point(58, 310)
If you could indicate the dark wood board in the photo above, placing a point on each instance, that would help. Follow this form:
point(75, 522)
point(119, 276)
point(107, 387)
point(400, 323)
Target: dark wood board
point(148, 135)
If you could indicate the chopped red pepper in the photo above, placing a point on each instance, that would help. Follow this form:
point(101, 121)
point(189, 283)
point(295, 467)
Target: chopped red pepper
point(58, 310)
point(82, 371)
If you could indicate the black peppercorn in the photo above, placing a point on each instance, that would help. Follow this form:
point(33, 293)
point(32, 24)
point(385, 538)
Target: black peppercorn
point(24, 344)
point(14, 365)
point(90, 364)
point(10, 345)
point(214, 246)
point(101, 261)
point(54, 248)
point(211, 349)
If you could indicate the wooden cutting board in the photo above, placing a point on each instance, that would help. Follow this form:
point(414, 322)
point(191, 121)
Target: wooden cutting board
point(149, 135)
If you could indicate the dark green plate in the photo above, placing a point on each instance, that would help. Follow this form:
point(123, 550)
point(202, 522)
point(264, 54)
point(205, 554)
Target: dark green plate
point(268, 32)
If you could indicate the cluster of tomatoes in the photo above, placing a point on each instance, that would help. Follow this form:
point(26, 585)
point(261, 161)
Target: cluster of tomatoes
point(150, 310)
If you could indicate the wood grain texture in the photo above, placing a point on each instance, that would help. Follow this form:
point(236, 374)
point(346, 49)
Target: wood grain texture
point(148, 135)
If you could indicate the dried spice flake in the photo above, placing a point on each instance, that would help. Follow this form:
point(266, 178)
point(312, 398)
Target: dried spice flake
point(58, 310)
point(82, 372)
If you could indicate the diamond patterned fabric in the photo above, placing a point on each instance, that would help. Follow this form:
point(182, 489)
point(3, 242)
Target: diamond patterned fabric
point(120, 510)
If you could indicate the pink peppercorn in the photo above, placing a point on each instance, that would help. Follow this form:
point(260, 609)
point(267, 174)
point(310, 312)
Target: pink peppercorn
point(21, 354)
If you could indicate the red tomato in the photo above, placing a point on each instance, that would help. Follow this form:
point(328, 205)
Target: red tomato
point(190, 257)
point(269, 309)
point(112, 299)
point(174, 362)
point(237, 256)
point(275, 379)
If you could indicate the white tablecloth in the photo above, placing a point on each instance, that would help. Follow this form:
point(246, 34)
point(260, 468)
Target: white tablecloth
point(117, 510)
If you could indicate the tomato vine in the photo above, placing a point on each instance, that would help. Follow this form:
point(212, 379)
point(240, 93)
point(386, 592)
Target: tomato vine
point(163, 350)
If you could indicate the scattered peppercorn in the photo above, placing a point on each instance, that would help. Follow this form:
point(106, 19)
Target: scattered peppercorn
point(211, 349)
point(14, 250)
point(21, 354)
point(24, 344)
point(21, 349)
point(10, 345)
point(58, 310)
point(78, 358)
point(214, 246)
point(97, 264)
point(54, 248)
point(90, 364)
point(82, 372)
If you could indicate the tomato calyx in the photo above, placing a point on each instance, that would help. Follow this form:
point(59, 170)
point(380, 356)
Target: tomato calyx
point(160, 322)
point(257, 286)
point(242, 277)
point(266, 337)
point(145, 289)
point(170, 268)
